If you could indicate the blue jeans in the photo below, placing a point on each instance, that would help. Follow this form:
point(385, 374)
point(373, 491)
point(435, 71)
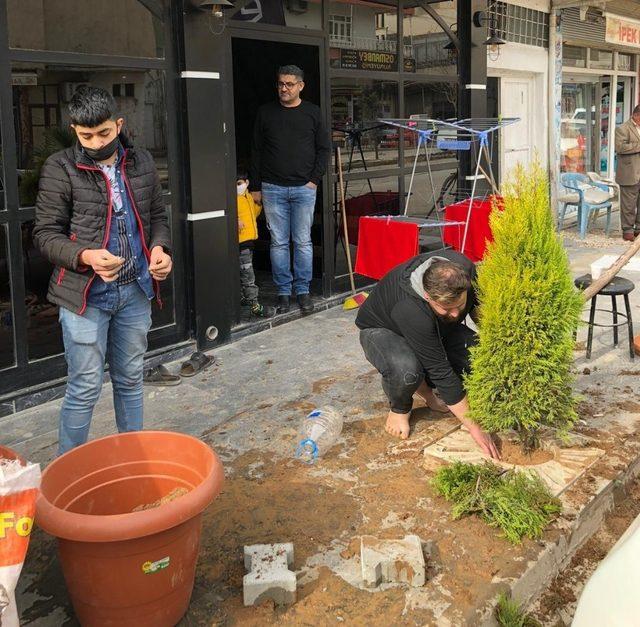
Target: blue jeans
point(289, 213)
point(119, 336)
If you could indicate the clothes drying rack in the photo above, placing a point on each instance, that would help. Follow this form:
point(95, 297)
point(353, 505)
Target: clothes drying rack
point(471, 134)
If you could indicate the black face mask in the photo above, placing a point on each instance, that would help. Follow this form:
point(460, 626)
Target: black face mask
point(101, 154)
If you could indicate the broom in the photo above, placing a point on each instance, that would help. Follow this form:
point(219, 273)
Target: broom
point(356, 299)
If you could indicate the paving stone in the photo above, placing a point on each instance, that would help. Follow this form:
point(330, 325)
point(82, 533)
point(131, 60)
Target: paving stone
point(269, 576)
point(392, 561)
point(567, 465)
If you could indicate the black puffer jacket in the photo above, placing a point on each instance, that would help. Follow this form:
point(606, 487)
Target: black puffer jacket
point(73, 210)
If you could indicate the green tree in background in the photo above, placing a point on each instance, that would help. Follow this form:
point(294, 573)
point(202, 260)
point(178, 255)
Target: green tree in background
point(520, 377)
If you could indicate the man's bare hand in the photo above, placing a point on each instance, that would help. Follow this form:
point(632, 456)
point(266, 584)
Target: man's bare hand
point(484, 441)
point(240, 225)
point(104, 264)
point(257, 196)
point(160, 264)
point(311, 185)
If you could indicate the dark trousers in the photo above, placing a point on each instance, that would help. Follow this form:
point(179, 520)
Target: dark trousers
point(629, 204)
point(399, 366)
point(248, 286)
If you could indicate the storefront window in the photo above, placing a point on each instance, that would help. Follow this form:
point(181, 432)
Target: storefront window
point(368, 197)
point(292, 13)
point(41, 94)
point(438, 101)
point(124, 28)
point(427, 47)
point(44, 336)
point(356, 106)
point(601, 59)
point(363, 36)
point(6, 313)
point(575, 129)
point(428, 190)
point(625, 62)
point(572, 56)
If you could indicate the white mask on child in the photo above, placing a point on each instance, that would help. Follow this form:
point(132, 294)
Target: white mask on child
point(242, 189)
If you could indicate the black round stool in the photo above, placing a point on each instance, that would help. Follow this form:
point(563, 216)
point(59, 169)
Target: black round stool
point(616, 287)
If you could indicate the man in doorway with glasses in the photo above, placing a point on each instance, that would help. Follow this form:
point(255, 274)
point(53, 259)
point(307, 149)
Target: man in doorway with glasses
point(288, 158)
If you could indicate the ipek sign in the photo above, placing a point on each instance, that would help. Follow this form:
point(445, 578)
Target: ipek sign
point(622, 31)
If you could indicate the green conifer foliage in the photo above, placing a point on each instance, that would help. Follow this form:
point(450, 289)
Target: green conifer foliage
point(518, 503)
point(520, 377)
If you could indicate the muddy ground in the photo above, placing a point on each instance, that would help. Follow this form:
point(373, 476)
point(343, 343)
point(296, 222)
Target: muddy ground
point(249, 408)
point(369, 483)
point(556, 606)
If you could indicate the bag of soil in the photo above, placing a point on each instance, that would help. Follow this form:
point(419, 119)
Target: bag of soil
point(19, 484)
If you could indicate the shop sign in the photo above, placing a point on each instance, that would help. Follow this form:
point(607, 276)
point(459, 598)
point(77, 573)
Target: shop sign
point(28, 78)
point(622, 31)
point(373, 60)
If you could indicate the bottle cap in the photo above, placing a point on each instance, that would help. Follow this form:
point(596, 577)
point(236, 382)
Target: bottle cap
point(307, 451)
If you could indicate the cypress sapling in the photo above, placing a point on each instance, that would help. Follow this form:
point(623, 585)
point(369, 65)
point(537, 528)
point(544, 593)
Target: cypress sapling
point(529, 308)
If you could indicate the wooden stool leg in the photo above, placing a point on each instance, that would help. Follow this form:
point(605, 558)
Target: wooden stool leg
point(629, 325)
point(592, 316)
point(614, 308)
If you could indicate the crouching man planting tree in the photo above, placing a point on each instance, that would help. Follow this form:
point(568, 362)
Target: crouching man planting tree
point(412, 331)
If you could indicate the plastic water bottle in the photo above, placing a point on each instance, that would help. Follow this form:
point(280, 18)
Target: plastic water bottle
point(319, 432)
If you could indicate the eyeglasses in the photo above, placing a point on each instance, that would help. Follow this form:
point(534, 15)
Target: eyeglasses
point(281, 85)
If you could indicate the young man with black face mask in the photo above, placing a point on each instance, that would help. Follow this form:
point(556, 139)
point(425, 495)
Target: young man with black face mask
point(101, 220)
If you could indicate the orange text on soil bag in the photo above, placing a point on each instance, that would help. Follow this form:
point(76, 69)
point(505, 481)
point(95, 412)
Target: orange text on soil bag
point(16, 521)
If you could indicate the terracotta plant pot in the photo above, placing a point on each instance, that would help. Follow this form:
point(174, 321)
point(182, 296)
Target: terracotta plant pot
point(125, 567)
point(636, 344)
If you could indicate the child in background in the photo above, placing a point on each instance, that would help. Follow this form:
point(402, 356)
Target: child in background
point(248, 211)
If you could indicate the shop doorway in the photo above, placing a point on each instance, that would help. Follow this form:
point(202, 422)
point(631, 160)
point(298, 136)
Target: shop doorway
point(255, 65)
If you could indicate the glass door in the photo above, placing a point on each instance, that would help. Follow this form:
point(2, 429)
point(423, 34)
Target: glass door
point(604, 104)
point(579, 136)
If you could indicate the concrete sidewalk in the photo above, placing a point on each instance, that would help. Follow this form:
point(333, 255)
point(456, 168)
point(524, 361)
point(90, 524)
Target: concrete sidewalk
point(248, 408)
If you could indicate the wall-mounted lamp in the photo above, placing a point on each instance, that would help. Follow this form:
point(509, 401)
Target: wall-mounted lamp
point(451, 50)
point(493, 42)
point(216, 7)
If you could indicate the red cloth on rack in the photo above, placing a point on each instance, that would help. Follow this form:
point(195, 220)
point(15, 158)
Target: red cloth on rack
point(479, 232)
point(383, 244)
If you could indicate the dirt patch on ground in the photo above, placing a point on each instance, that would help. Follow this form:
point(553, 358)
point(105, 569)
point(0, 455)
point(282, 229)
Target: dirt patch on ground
point(327, 601)
point(557, 606)
point(302, 406)
point(367, 485)
point(628, 405)
point(321, 385)
point(512, 453)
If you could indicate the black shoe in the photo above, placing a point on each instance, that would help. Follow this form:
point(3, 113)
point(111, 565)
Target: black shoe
point(284, 304)
point(306, 304)
point(262, 311)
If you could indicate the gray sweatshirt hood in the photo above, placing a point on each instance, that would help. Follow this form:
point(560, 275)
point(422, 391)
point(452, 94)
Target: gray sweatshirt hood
point(418, 273)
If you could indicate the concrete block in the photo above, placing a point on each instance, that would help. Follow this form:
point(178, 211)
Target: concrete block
point(392, 561)
point(559, 473)
point(269, 576)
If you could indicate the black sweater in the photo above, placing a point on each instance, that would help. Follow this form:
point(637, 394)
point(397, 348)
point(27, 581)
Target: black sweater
point(395, 305)
point(290, 145)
